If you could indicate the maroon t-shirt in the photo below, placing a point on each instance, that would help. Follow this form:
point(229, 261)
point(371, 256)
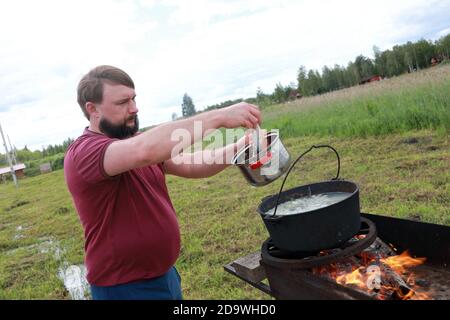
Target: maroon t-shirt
point(130, 227)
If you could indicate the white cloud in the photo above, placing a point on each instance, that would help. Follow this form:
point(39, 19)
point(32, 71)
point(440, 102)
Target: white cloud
point(214, 50)
point(442, 33)
point(202, 12)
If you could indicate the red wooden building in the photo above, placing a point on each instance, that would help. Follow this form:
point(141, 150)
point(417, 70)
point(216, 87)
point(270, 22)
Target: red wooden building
point(18, 168)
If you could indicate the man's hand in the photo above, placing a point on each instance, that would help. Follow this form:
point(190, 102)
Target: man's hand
point(240, 115)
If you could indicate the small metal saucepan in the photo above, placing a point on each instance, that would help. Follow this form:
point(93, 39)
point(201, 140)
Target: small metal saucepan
point(268, 164)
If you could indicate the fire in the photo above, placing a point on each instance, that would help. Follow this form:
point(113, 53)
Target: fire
point(402, 262)
point(380, 276)
point(356, 277)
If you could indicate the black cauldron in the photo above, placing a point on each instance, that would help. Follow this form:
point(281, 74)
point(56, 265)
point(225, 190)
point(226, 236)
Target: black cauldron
point(315, 230)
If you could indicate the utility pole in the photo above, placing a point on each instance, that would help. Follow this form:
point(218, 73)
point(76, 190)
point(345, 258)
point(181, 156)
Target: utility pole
point(13, 152)
point(9, 159)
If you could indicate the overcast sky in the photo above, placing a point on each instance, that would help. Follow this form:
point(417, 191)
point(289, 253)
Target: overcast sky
point(213, 50)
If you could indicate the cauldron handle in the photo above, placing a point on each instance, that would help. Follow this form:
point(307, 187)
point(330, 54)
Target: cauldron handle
point(297, 160)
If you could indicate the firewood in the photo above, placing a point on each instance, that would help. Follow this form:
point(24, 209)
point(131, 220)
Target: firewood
point(392, 279)
point(389, 284)
point(377, 250)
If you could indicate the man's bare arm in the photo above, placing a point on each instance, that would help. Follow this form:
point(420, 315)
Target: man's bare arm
point(203, 164)
point(155, 145)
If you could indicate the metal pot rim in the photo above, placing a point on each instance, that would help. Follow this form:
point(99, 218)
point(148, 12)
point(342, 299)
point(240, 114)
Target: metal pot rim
point(246, 147)
point(322, 210)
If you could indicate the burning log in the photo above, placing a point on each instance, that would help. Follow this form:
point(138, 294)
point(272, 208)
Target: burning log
point(378, 271)
point(392, 281)
point(376, 251)
point(338, 268)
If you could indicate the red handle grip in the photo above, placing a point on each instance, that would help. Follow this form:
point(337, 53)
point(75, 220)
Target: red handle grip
point(262, 161)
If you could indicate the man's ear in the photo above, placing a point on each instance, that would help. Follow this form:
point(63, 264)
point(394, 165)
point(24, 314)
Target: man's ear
point(91, 109)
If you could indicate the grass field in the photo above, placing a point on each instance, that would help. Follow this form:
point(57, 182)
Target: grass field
point(402, 173)
point(409, 102)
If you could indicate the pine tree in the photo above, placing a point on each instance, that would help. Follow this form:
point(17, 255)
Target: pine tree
point(188, 107)
point(301, 80)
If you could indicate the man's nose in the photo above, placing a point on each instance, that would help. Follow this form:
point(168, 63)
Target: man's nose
point(133, 108)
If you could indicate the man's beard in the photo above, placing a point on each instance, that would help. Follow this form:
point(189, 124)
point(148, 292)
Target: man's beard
point(121, 131)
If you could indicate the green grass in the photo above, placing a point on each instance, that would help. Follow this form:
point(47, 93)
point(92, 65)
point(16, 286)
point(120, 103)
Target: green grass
point(402, 173)
point(218, 216)
point(409, 102)
point(423, 107)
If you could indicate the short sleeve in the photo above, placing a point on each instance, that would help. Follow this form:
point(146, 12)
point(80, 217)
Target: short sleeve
point(89, 157)
point(161, 167)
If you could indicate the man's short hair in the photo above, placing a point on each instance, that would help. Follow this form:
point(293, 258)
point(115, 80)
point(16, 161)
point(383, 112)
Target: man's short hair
point(90, 87)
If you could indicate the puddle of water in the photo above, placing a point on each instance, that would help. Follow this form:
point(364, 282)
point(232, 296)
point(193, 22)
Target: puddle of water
point(18, 236)
point(50, 245)
point(74, 278)
point(46, 245)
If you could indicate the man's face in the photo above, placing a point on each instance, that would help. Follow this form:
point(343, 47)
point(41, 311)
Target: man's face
point(118, 112)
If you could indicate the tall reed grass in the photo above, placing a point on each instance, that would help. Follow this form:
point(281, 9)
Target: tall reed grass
point(388, 108)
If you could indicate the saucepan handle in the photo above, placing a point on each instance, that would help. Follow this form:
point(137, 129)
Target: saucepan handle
point(297, 160)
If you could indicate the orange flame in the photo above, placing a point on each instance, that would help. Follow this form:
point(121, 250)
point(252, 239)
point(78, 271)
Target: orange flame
point(355, 278)
point(363, 277)
point(402, 262)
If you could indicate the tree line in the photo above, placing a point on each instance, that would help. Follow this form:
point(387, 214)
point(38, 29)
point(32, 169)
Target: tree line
point(54, 154)
point(405, 58)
